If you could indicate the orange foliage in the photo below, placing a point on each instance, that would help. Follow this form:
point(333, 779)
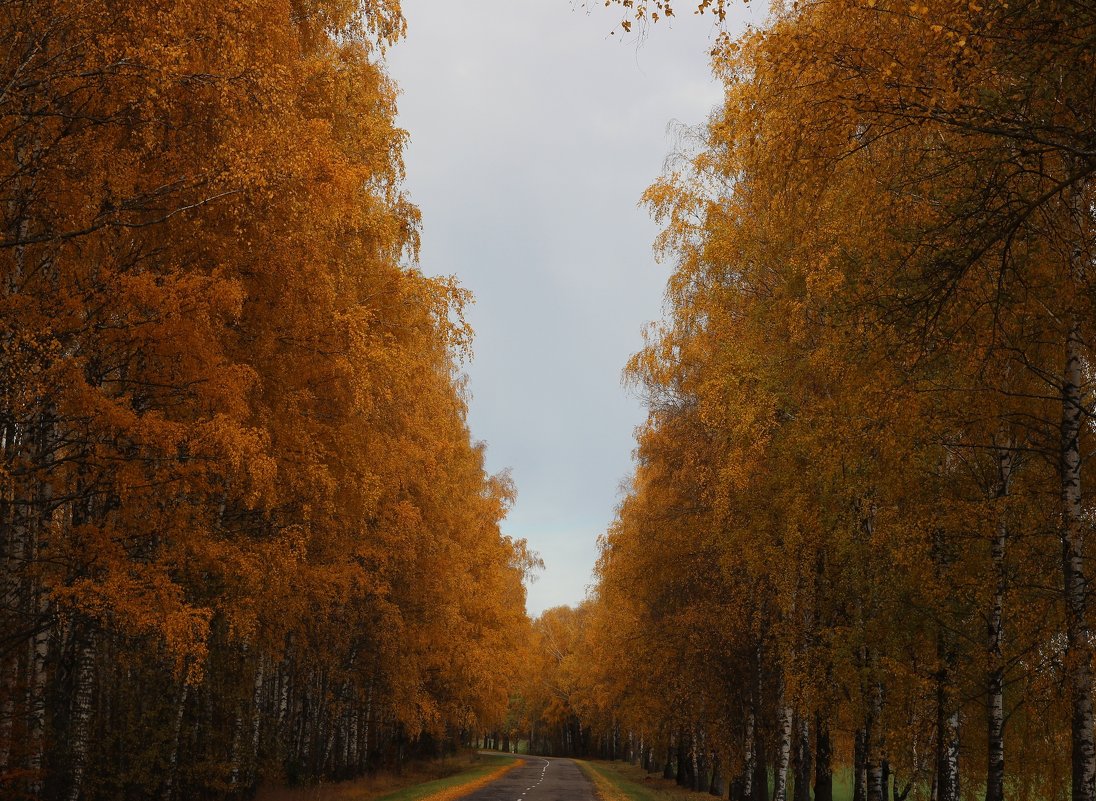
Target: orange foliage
point(245, 531)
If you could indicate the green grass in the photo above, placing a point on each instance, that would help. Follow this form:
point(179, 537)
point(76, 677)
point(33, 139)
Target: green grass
point(637, 785)
point(484, 764)
point(842, 785)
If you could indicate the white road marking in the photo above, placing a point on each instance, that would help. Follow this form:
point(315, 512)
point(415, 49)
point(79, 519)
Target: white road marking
point(543, 771)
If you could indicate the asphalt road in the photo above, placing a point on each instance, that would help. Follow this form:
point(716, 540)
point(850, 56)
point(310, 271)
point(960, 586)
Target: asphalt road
point(539, 779)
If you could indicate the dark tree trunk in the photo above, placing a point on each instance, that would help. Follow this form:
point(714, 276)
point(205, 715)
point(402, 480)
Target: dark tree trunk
point(737, 789)
point(683, 761)
point(860, 766)
point(823, 771)
point(802, 788)
point(700, 764)
point(761, 769)
point(716, 786)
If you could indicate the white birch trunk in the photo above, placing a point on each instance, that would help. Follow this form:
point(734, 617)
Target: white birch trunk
point(7, 710)
point(256, 720)
point(283, 694)
point(36, 698)
point(283, 727)
point(1078, 636)
point(237, 742)
point(694, 748)
point(783, 751)
point(327, 737)
point(368, 723)
point(876, 788)
point(751, 757)
point(995, 677)
point(39, 642)
point(15, 549)
point(80, 731)
point(173, 755)
point(10, 678)
point(875, 743)
point(951, 756)
point(304, 745)
point(355, 735)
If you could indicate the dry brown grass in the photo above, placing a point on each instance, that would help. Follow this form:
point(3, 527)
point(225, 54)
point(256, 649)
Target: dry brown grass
point(371, 787)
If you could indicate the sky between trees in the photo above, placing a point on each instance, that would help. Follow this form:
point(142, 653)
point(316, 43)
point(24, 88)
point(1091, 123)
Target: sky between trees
point(533, 135)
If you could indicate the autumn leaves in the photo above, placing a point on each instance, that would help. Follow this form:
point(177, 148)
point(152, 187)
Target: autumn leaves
point(858, 531)
point(245, 534)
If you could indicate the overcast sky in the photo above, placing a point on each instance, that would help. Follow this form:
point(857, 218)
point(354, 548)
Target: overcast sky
point(533, 134)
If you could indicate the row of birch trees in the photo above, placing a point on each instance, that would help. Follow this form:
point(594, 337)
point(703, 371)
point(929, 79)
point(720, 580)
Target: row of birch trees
point(859, 533)
point(244, 533)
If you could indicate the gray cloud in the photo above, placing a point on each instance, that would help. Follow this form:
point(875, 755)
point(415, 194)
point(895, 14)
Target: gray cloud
point(533, 134)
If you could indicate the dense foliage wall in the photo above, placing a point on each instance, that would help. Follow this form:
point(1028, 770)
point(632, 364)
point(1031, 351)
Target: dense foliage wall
point(859, 531)
point(244, 533)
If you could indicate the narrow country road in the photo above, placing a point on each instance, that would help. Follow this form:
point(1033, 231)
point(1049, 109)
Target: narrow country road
point(539, 779)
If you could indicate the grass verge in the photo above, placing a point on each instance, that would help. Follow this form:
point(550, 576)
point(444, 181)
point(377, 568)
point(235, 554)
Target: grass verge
point(446, 780)
point(621, 781)
point(457, 786)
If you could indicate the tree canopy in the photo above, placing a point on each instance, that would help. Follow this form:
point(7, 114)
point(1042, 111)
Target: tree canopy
point(857, 533)
point(246, 535)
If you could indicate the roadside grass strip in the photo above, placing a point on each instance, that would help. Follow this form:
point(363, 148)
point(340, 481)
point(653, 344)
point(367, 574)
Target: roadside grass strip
point(459, 785)
point(614, 787)
point(621, 781)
